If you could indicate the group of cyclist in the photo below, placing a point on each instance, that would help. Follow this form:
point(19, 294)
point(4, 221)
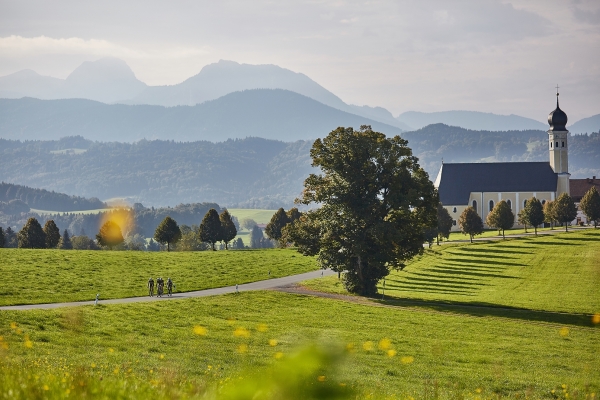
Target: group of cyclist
point(160, 286)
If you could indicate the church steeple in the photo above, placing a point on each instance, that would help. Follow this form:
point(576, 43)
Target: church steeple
point(558, 136)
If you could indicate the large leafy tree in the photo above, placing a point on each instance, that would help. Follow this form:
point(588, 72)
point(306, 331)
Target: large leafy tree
point(278, 221)
point(501, 217)
point(167, 232)
point(444, 223)
point(110, 235)
point(549, 213)
point(65, 241)
point(32, 235)
point(375, 204)
point(228, 229)
point(533, 213)
point(565, 210)
point(470, 223)
point(210, 228)
point(590, 205)
point(293, 214)
point(52, 234)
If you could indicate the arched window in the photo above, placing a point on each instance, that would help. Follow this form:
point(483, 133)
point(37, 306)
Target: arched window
point(563, 144)
point(524, 203)
point(454, 210)
point(556, 144)
point(543, 202)
point(475, 204)
point(509, 204)
point(454, 222)
point(550, 144)
point(491, 205)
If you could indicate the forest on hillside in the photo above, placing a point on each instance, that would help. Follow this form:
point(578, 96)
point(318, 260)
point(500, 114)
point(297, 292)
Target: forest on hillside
point(246, 173)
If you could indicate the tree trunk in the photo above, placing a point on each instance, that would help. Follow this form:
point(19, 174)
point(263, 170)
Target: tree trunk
point(438, 240)
point(471, 237)
point(168, 248)
point(566, 227)
point(535, 229)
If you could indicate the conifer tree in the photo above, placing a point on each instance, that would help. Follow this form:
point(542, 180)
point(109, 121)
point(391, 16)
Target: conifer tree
point(167, 232)
point(256, 238)
point(228, 230)
point(52, 234)
point(501, 217)
point(293, 214)
point(65, 241)
point(565, 210)
point(2, 238)
point(590, 205)
point(32, 236)
point(110, 235)
point(470, 223)
point(10, 238)
point(533, 213)
point(210, 228)
point(278, 221)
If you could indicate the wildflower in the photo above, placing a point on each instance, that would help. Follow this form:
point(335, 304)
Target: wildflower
point(93, 365)
point(46, 387)
point(368, 346)
point(161, 356)
point(391, 353)
point(564, 331)
point(200, 330)
point(242, 348)
point(596, 319)
point(350, 347)
point(116, 371)
point(241, 332)
point(13, 325)
point(262, 328)
point(384, 344)
point(321, 378)
point(111, 350)
point(28, 343)
point(272, 342)
point(407, 359)
point(278, 355)
point(478, 390)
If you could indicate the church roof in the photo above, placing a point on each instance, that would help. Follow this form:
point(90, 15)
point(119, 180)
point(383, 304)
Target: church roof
point(455, 182)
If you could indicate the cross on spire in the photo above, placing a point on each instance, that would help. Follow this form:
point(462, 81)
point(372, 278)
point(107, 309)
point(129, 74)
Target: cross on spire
point(557, 89)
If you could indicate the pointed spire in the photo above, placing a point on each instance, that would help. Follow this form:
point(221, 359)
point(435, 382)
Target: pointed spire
point(557, 96)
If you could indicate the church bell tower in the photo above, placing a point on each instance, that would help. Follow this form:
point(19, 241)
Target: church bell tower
point(558, 136)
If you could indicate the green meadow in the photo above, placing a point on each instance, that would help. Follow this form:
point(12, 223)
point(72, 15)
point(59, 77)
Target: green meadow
point(516, 318)
point(50, 276)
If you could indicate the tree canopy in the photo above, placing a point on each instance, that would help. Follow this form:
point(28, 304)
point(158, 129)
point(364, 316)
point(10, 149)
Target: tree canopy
point(549, 214)
point(228, 229)
point(110, 235)
point(533, 213)
point(501, 217)
point(52, 234)
point(444, 223)
point(470, 223)
point(167, 232)
point(210, 228)
point(32, 235)
point(278, 221)
point(590, 205)
point(565, 210)
point(375, 204)
point(2, 238)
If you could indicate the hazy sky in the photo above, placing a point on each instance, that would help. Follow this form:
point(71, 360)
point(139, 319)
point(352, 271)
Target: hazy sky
point(493, 56)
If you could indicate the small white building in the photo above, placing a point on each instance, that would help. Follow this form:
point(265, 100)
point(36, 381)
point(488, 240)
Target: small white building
point(483, 185)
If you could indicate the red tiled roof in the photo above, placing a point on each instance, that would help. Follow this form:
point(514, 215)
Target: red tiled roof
point(579, 187)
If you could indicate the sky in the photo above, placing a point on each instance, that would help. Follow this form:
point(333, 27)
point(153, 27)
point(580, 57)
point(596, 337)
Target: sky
point(504, 57)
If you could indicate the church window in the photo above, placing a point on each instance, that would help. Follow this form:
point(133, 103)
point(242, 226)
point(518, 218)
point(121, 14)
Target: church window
point(454, 222)
point(556, 144)
point(543, 202)
point(524, 203)
point(509, 204)
point(563, 144)
point(454, 210)
point(491, 205)
point(475, 204)
point(550, 144)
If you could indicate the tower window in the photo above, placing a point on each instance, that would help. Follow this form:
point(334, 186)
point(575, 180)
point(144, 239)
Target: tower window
point(550, 144)
point(556, 144)
point(454, 209)
point(475, 204)
point(454, 222)
point(563, 144)
point(491, 205)
point(543, 202)
point(509, 204)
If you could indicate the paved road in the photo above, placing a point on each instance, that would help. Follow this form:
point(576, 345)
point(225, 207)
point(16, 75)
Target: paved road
point(260, 285)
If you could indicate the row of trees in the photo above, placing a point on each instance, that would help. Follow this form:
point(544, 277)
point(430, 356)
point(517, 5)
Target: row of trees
point(562, 210)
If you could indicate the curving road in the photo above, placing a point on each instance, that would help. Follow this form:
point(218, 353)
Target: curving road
point(259, 285)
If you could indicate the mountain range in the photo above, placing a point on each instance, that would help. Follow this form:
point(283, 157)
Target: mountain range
point(111, 81)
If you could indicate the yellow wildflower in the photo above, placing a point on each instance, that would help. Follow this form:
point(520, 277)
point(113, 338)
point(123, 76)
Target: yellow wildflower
point(391, 353)
point(321, 378)
point(241, 332)
point(368, 346)
point(278, 355)
point(272, 342)
point(407, 359)
point(262, 328)
point(200, 330)
point(384, 344)
point(242, 348)
point(564, 331)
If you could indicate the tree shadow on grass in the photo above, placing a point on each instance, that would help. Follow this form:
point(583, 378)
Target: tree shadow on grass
point(580, 239)
point(493, 249)
point(462, 271)
point(485, 261)
point(540, 243)
point(454, 282)
point(479, 309)
point(473, 267)
point(424, 287)
point(461, 252)
point(442, 275)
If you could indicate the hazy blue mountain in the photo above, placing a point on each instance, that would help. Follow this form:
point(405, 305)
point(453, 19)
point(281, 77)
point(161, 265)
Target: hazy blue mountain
point(586, 125)
point(107, 80)
point(379, 114)
point(271, 114)
point(470, 120)
point(29, 83)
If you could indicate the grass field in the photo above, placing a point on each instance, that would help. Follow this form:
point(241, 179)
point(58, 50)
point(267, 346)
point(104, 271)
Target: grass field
point(401, 352)
point(559, 273)
point(260, 216)
point(493, 233)
point(47, 276)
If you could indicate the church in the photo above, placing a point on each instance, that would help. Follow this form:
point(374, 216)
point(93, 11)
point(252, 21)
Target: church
point(483, 185)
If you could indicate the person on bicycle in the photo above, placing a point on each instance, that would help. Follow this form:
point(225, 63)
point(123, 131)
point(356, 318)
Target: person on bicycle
point(151, 287)
point(160, 282)
point(170, 286)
